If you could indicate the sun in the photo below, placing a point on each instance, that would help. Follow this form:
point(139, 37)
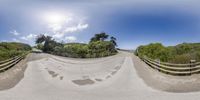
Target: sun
point(55, 18)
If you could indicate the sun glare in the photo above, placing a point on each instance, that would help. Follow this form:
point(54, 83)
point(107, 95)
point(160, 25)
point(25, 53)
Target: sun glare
point(55, 18)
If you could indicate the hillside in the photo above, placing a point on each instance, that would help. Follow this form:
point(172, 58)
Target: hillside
point(11, 49)
point(181, 53)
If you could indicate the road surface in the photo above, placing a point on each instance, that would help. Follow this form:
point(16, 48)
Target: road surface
point(119, 77)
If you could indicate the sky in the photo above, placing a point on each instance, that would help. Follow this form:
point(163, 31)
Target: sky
point(132, 22)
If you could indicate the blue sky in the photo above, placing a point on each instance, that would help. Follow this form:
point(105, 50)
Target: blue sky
point(132, 22)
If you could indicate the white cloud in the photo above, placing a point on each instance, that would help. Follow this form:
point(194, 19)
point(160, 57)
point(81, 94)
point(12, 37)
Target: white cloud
point(70, 38)
point(29, 37)
point(58, 35)
point(63, 25)
point(55, 27)
point(57, 21)
point(14, 32)
point(79, 27)
point(61, 34)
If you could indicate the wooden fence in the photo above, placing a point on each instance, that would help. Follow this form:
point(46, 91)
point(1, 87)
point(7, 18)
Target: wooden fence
point(6, 64)
point(173, 69)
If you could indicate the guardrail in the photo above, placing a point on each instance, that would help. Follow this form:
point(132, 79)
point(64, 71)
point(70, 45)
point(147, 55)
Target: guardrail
point(6, 64)
point(173, 69)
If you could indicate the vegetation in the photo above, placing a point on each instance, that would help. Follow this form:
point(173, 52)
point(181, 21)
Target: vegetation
point(181, 53)
point(101, 49)
point(99, 37)
point(49, 43)
point(97, 47)
point(8, 50)
point(76, 50)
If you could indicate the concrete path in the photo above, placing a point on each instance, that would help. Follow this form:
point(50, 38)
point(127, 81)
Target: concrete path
point(119, 77)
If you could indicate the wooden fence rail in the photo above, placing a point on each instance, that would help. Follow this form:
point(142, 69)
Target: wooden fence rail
point(173, 69)
point(6, 64)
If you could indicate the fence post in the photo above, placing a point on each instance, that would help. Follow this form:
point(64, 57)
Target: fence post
point(191, 65)
point(158, 60)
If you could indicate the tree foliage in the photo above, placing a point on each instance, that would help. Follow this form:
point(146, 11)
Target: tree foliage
point(99, 37)
point(101, 49)
point(11, 49)
point(113, 40)
point(181, 53)
point(97, 47)
point(46, 43)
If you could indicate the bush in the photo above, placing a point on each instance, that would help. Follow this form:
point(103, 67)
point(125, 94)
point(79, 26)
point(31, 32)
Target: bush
point(155, 51)
point(181, 53)
point(184, 58)
point(97, 47)
point(91, 50)
point(76, 50)
point(12, 49)
point(101, 49)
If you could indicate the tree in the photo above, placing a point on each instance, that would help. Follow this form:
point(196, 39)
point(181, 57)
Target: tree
point(113, 40)
point(40, 46)
point(98, 47)
point(49, 43)
point(99, 37)
point(40, 38)
point(101, 49)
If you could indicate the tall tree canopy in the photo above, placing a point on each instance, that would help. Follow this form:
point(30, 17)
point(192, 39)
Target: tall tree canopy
point(99, 37)
point(102, 37)
point(49, 43)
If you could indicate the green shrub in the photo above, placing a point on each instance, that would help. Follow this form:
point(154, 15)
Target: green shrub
point(155, 51)
point(184, 58)
point(97, 47)
point(76, 50)
point(181, 53)
point(101, 49)
point(12, 49)
point(91, 50)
